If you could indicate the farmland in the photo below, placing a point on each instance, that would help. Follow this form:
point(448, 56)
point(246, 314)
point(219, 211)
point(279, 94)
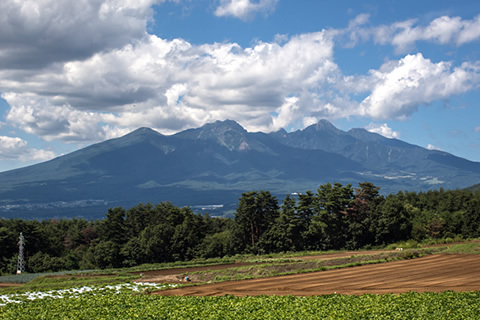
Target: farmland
point(443, 285)
point(433, 273)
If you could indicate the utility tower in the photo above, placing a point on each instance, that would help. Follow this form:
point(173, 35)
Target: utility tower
point(21, 260)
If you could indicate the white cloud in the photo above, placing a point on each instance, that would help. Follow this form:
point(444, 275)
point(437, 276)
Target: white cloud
point(432, 147)
point(244, 9)
point(399, 87)
point(308, 121)
point(37, 115)
point(8, 144)
point(172, 85)
point(383, 129)
point(17, 149)
point(355, 30)
point(287, 113)
point(443, 30)
point(477, 129)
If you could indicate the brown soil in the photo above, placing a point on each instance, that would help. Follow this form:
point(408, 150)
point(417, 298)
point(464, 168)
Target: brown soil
point(434, 273)
point(8, 284)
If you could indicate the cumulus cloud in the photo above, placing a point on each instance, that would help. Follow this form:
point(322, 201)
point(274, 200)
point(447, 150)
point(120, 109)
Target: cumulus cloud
point(383, 129)
point(13, 148)
point(37, 115)
point(399, 87)
point(244, 9)
point(36, 33)
point(9, 144)
point(172, 85)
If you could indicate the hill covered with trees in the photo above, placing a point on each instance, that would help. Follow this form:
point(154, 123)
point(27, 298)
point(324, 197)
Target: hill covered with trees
point(475, 187)
point(333, 217)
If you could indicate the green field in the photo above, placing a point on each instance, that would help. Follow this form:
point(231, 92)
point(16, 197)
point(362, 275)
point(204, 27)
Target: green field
point(127, 304)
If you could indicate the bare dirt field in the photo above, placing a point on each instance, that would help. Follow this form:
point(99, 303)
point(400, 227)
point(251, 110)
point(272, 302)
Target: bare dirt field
point(433, 273)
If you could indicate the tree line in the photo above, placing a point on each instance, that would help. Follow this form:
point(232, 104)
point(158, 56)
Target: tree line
point(333, 217)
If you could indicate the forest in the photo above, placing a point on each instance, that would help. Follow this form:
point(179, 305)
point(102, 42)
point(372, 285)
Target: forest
point(333, 217)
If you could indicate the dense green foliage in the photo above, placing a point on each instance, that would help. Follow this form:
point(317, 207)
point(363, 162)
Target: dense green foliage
point(125, 305)
point(333, 217)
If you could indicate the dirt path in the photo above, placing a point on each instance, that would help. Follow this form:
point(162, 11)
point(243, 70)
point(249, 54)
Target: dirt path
point(434, 273)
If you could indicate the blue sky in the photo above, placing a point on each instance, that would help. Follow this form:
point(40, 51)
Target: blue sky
point(76, 73)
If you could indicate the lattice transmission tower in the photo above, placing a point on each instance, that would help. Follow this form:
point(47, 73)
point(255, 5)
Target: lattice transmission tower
point(21, 260)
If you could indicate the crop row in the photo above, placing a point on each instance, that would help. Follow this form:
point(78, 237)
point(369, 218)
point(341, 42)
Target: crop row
point(27, 296)
point(126, 304)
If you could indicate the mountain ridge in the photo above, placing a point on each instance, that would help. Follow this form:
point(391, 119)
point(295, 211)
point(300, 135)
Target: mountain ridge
point(215, 163)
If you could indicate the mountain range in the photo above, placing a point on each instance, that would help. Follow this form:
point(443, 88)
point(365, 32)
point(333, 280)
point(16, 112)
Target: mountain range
point(209, 167)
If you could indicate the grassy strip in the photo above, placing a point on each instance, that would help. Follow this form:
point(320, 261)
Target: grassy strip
point(27, 277)
point(412, 244)
point(56, 283)
point(464, 248)
point(169, 265)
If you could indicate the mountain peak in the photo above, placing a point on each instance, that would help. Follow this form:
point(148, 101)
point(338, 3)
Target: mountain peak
point(227, 133)
point(224, 125)
point(213, 130)
point(279, 134)
point(325, 125)
point(324, 128)
point(144, 131)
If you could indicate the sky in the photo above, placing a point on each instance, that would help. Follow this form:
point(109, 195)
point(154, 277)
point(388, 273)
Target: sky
point(74, 73)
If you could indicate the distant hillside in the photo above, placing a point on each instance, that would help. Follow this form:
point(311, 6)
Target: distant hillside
point(475, 187)
point(209, 167)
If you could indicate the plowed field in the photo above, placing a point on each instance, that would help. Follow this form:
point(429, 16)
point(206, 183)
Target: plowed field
point(433, 273)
